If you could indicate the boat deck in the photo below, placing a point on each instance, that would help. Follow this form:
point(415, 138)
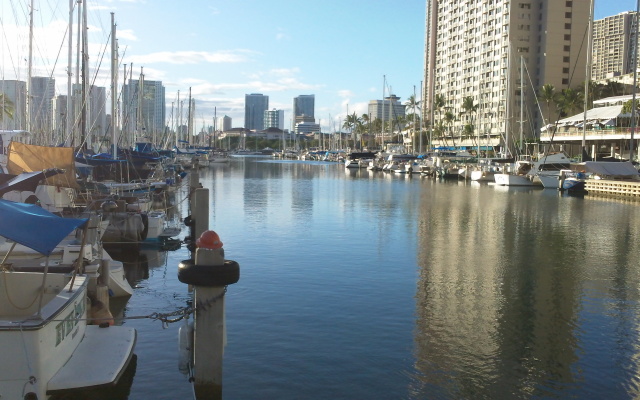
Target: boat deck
point(99, 360)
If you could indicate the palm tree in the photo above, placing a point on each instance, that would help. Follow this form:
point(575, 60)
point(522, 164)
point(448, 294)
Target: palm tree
point(438, 104)
point(7, 107)
point(549, 95)
point(469, 108)
point(569, 100)
point(449, 118)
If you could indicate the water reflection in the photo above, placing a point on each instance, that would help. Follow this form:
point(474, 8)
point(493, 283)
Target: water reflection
point(505, 279)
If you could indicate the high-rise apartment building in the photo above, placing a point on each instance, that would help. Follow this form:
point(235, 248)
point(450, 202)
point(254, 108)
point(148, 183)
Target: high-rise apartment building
point(274, 119)
point(255, 105)
point(143, 108)
point(304, 105)
point(613, 46)
point(223, 124)
point(499, 52)
point(388, 109)
point(42, 91)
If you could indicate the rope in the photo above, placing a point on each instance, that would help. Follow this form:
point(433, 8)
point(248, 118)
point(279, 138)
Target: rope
point(165, 318)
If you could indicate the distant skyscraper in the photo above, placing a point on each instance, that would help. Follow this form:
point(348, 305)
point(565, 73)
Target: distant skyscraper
point(223, 123)
point(274, 119)
point(255, 105)
point(42, 91)
point(304, 105)
point(386, 110)
point(490, 51)
point(151, 118)
point(613, 44)
point(59, 118)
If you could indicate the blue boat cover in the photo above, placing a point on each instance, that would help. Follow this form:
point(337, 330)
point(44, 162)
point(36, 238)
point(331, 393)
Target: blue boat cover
point(34, 227)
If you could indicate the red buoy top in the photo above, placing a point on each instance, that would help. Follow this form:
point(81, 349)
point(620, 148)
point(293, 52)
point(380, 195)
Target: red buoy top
point(209, 240)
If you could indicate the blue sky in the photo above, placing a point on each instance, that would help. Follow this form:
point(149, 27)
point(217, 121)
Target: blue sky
point(338, 50)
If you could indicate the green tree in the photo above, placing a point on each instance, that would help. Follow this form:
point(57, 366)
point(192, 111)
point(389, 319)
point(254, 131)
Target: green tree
point(470, 108)
point(7, 107)
point(449, 119)
point(569, 101)
point(549, 96)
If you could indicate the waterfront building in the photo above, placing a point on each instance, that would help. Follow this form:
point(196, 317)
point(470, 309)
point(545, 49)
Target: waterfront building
point(498, 53)
point(59, 118)
point(274, 119)
point(255, 104)
point(306, 127)
point(388, 109)
point(304, 105)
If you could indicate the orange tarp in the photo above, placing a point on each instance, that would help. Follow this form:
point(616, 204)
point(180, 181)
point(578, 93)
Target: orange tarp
point(30, 158)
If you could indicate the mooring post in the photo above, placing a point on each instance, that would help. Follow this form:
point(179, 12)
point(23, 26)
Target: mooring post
point(200, 211)
point(209, 328)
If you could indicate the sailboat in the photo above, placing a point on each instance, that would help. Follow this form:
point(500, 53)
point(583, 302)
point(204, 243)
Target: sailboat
point(45, 336)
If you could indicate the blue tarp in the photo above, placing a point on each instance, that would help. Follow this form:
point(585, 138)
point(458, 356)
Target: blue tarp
point(34, 227)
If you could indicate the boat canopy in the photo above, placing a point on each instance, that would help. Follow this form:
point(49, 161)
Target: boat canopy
point(610, 168)
point(34, 227)
point(27, 181)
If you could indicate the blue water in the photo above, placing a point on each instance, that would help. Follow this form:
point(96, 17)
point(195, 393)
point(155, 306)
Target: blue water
point(365, 285)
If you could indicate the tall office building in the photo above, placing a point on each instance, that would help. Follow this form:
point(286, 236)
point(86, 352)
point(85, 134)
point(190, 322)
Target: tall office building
point(143, 108)
point(304, 105)
point(613, 46)
point(42, 91)
point(274, 119)
point(223, 124)
point(255, 105)
point(388, 109)
point(494, 50)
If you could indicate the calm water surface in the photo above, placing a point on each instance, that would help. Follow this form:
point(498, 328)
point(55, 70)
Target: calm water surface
point(363, 285)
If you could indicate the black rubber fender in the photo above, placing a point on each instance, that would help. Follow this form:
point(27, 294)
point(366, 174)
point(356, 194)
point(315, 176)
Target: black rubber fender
point(145, 224)
point(207, 275)
point(188, 221)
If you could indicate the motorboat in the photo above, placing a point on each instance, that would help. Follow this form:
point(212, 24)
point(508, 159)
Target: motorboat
point(48, 344)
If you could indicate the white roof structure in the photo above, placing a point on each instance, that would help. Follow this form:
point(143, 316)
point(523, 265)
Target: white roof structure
point(599, 114)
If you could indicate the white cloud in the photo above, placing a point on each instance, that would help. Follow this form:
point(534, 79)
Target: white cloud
point(193, 57)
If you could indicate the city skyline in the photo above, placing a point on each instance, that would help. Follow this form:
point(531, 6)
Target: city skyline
point(337, 62)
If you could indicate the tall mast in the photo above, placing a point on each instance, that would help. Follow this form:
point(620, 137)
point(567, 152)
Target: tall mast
point(189, 119)
point(29, 69)
point(85, 59)
point(587, 80)
point(114, 88)
point(634, 112)
point(68, 117)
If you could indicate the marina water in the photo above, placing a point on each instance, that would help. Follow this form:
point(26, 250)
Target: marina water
point(365, 285)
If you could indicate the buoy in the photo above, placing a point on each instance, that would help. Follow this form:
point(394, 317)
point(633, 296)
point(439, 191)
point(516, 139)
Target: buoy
point(185, 347)
point(209, 240)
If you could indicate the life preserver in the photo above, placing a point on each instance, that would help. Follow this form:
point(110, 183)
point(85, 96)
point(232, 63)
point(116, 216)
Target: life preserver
point(208, 275)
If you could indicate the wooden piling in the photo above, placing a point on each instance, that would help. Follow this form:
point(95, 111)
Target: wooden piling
point(208, 332)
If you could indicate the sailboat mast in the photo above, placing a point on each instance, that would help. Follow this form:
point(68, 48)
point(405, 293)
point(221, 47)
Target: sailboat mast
point(114, 88)
point(68, 117)
point(587, 80)
point(189, 119)
point(635, 82)
point(29, 69)
point(521, 103)
point(384, 86)
point(85, 57)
